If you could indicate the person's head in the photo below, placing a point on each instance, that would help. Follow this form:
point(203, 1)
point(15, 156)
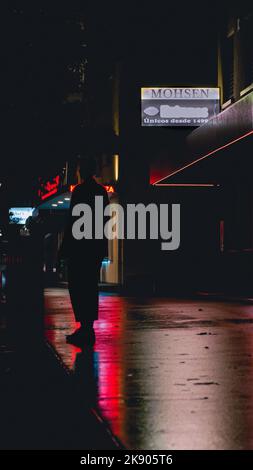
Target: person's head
point(87, 167)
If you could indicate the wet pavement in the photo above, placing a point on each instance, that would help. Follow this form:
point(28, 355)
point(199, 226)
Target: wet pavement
point(166, 374)
point(41, 404)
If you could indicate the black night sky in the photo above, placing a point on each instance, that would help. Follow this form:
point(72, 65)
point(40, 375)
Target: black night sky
point(57, 64)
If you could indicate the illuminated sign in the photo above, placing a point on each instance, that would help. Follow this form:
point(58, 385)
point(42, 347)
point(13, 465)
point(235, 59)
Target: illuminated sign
point(49, 188)
point(178, 106)
point(108, 188)
point(19, 215)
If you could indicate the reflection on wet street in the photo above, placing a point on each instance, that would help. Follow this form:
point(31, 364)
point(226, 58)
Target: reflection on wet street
point(166, 374)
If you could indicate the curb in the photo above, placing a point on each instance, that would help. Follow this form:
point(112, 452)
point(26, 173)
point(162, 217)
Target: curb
point(94, 411)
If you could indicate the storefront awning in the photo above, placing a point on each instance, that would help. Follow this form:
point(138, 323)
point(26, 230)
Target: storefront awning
point(59, 202)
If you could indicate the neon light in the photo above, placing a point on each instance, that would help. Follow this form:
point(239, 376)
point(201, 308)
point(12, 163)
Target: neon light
point(200, 185)
point(109, 189)
point(49, 188)
point(45, 196)
point(205, 156)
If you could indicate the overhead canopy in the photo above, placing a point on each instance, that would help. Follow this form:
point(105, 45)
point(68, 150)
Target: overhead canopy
point(59, 202)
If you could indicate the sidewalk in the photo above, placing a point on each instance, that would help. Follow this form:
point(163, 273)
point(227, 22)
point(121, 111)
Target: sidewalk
point(41, 404)
point(165, 373)
point(223, 297)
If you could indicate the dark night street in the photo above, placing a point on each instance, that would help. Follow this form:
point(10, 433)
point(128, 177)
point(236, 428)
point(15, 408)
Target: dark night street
point(126, 232)
point(165, 373)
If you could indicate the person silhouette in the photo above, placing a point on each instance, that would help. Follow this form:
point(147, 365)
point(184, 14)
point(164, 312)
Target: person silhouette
point(84, 257)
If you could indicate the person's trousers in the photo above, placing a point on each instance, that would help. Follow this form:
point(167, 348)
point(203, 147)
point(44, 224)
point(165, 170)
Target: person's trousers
point(83, 289)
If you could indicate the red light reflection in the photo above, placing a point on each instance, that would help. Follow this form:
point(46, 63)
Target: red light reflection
point(60, 321)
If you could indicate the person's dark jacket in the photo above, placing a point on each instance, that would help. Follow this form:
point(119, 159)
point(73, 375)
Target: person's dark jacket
point(94, 249)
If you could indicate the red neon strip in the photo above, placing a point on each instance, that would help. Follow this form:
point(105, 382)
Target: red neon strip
point(45, 196)
point(187, 185)
point(205, 156)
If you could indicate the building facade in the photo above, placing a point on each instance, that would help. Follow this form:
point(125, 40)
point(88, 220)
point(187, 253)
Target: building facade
point(220, 156)
point(206, 170)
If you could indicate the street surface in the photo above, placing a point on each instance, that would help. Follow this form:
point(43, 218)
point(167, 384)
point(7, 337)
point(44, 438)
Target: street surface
point(166, 374)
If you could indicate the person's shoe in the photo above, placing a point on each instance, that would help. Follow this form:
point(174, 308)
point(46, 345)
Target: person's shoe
point(82, 337)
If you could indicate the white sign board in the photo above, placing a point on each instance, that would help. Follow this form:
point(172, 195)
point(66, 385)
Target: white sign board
point(178, 106)
point(19, 215)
